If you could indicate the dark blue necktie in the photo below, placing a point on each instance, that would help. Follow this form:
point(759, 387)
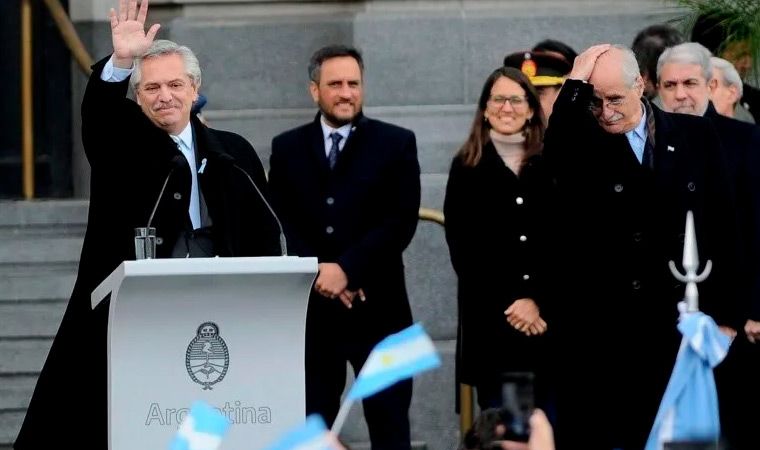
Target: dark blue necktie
point(332, 157)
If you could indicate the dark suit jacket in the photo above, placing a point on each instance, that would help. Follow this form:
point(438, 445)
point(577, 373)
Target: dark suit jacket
point(131, 159)
point(362, 215)
point(741, 142)
point(495, 240)
point(620, 224)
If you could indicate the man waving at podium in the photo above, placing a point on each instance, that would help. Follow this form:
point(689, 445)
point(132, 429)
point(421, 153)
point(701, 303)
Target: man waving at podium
point(153, 165)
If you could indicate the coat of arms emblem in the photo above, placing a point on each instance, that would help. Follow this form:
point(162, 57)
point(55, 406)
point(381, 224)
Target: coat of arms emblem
point(207, 358)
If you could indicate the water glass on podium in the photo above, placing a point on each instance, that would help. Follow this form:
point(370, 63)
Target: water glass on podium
point(145, 243)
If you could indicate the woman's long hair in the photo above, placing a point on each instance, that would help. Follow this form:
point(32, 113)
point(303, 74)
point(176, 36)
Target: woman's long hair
point(472, 150)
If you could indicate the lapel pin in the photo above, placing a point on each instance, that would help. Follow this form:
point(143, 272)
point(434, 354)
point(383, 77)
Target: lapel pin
point(203, 166)
point(671, 148)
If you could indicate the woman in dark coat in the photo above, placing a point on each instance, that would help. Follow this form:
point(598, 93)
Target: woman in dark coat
point(497, 206)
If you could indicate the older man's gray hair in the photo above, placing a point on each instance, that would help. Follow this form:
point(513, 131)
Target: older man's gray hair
point(728, 72)
point(630, 66)
point(161, 47)
point(687, 53)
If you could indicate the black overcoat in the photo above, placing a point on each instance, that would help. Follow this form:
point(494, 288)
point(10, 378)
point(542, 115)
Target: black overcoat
point(620, 224)
point(736, 376)
point(131, 159)
point(361, 215)
point(497, 231)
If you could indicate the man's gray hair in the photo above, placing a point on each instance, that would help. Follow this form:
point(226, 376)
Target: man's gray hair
point(630, 66)
point(161, 47)
point(687, 53)
point(728, 72)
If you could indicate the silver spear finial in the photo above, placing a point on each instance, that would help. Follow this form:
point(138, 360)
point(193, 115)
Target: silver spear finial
point(690, 265)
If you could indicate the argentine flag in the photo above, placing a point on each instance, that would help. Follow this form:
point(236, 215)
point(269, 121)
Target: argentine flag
point(395, 358)
point(202, 429)
point(689, 408)
point(312, 435)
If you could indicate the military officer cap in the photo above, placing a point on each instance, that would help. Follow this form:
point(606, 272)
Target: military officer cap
point(541, 68)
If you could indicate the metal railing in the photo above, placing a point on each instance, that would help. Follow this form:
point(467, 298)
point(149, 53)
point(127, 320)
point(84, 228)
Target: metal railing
point(466, 406)
point(80, 54)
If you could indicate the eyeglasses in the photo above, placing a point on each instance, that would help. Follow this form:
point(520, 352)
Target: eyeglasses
point(612, 103)
point(516, 101)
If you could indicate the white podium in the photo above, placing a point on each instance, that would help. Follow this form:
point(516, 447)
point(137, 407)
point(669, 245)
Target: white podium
point(228, 331)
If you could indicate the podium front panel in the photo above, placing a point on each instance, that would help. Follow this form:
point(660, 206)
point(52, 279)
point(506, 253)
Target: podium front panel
point(234, 340)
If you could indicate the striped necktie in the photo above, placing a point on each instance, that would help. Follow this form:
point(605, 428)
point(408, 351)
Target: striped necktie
point(332, 157)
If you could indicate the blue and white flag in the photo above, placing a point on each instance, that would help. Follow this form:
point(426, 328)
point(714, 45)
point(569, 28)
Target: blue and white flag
point(395, 358)
point(202, 429)
point(689, 407)
point(312, 435)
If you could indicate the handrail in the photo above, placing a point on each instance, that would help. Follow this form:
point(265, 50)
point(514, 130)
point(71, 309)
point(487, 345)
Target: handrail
point(70, 36)
point(27, 111)
point(80, 54)
point(465, 390)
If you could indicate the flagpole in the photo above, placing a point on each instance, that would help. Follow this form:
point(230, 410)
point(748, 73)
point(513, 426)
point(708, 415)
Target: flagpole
point(342, 415)
point(690, 264)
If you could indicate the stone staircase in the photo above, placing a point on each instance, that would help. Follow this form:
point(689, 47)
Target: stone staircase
point(39, 249)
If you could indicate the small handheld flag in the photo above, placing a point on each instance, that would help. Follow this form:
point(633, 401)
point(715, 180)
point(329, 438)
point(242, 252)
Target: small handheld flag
point(202, 429)
point(311, 435)
point(395, 358)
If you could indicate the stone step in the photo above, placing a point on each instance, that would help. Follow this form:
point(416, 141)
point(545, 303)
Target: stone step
point(10, 423)
point(23, 355)
point(43, 213)
point(35, 250)
point(21, 232)
point(36, 282)
point(31, 319)
point(16, 391)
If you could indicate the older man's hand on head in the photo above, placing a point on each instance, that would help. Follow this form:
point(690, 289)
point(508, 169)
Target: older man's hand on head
point(585, 62)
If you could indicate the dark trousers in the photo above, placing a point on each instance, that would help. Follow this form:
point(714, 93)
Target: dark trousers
point(387, 412)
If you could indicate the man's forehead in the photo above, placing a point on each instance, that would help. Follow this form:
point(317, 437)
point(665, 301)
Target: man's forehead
point(683, 71)
point(166, 78)
point(608, 78)
point(164, 68)
point(611, 91)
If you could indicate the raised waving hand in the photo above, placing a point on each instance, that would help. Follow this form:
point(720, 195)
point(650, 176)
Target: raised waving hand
point(128, 32)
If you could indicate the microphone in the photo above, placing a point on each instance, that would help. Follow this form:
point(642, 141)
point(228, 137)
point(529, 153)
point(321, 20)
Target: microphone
point(283, 243)
point(145, 237)
point(174, 164)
